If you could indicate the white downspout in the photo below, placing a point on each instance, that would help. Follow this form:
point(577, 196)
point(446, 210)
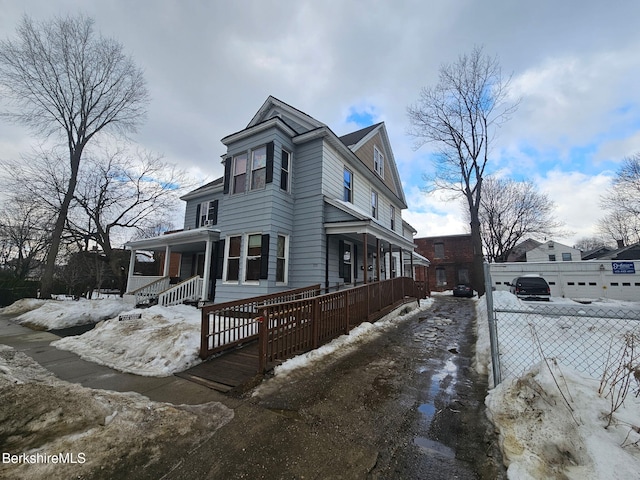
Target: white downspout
point(207, 271)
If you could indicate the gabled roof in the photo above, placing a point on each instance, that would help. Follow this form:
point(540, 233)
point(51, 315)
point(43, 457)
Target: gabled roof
point(272, 107)
point(354, 137)
point(207, 188)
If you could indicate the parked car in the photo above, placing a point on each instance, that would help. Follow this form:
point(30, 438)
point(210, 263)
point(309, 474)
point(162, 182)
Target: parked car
point(463, 290)
point(530, 288)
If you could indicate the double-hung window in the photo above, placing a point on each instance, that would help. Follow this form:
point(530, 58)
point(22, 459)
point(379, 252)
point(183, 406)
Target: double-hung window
point(233, 259)
point(374, 204)
point(254, 257)
point(208, 213)
point(281, 262)
point(393, 217)
point(285, 170)
point(348, 185)
point(240, 173)
point(258, 168)
point(378, 161)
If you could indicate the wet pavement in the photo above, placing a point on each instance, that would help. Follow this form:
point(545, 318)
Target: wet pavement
point(404, 405)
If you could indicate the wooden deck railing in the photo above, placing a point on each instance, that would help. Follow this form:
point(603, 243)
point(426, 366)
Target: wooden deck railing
point(150, 292)
point(225, 325)
point(293, 327)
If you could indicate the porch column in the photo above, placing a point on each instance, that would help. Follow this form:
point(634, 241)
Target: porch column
point(167, 261)
point(132, 265)
point(401, 263)
point(378, 259)
point(413, 274)
point(365, 260)
point(207, 270)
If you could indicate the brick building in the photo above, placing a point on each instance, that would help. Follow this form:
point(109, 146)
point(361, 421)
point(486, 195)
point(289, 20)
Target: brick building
point(451, 261)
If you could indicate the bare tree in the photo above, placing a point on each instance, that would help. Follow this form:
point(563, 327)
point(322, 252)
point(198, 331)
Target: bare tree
point(124, 191)
point(459, 115)
point(24, 238)
point(622, 200)
point(66, 82)
point(509, 212)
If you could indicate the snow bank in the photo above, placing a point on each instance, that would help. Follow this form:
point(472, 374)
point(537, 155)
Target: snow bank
point(105, 431)
point(163, 341)
point(55, 314)
point(552, 425)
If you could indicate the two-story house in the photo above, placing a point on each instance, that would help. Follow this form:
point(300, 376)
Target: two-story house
point(297, 206)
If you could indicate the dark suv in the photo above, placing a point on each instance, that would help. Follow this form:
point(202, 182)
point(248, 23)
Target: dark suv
point(530, 288)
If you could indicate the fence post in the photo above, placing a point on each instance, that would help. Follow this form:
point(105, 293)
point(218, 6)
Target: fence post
point(263, 341)
point(315, 325)
point(204, 335)
point(346, 311)
point(493, 332)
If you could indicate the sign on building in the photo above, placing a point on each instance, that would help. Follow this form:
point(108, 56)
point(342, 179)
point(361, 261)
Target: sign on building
point(623, 267)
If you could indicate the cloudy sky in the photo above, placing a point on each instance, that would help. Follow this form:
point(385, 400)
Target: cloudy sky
point(210, 65)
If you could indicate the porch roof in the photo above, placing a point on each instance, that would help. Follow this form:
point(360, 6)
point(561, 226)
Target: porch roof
point(360, 222)
point(418, 260)
point(183, 241)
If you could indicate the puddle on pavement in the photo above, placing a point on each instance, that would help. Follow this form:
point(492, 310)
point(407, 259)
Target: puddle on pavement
point(431, 446)
point(442, 381)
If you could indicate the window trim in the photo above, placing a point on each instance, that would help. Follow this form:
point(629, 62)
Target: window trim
point(375, 210)
point(235, 176)
point(378, 161)
point(393, 218)
point(287, 170)
point(247, 257)
point(347, 191)
point(227, 248)
point(286, 259)
point(255, 170)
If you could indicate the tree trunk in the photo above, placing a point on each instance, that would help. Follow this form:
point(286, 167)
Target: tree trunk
point(478, 259)
point(46, 282)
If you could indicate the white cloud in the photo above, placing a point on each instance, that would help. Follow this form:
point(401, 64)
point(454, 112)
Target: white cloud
point(577, 199)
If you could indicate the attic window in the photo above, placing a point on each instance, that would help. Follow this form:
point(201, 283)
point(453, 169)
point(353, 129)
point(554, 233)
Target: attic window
point(378, 161)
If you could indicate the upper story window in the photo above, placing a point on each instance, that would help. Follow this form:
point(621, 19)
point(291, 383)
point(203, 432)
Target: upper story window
point(348, 185)
point(552, 258)
point(378, 161)
point(374, 204)
point(566, 257)
point(258, 168)
point(393, 217)
point(285, 170)
point(208, 213)
point(438, 250)
point(239, 173)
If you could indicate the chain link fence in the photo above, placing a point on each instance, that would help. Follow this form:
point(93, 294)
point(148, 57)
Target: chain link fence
point(585, 337)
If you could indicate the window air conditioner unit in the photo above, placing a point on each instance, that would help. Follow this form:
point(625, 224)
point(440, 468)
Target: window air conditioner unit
point(208, 223)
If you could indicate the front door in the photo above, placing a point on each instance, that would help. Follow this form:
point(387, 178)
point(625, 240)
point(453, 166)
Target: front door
point(348, 261)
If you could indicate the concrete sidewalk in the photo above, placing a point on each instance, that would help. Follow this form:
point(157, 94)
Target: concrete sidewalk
point(70, 367)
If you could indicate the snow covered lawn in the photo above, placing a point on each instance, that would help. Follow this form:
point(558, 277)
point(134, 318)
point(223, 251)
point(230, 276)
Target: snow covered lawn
point(56, 314)
point(162, 341)
point(553, 423)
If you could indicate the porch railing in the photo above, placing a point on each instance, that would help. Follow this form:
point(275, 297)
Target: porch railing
point(150, 291)
point(226, 325)
point(293, 327)
point(189, 290)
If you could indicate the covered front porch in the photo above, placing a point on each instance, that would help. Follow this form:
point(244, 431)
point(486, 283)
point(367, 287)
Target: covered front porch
point(366, 250)
point(194, 286)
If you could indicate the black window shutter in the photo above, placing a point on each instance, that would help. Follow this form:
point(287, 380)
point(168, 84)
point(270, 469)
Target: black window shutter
point(341, 259)
point(227, 174)
point(264, 257)
point(219, 259)
point(215, 212)
point(198, 215)
point(354, 260)
point(269, 173)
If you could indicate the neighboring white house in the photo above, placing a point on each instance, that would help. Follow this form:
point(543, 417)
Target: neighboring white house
point(553, 252)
